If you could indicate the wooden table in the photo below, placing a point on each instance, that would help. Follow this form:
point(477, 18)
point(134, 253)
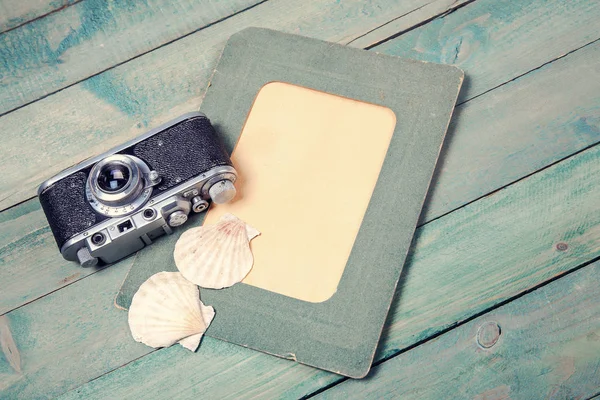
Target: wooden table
point(500, 297)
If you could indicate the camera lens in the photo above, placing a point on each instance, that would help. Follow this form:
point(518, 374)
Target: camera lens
point(113, 177)
point(118, 185)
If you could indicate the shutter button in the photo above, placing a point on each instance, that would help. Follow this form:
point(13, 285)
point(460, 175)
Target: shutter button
point(222, 191)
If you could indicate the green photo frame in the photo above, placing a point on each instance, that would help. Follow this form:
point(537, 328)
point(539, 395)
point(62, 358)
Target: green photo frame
point(340, 334)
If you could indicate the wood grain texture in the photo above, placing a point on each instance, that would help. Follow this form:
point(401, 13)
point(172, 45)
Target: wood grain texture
point(119, 104)
point(30, 263)
point(51, 53)
point(548, 347)
point(462, 264)
point(91, 322)
point(69, 46)
point(60, 340)
point(14, 13)
point(529, 123)
point(538, 31)
point(115, 106)
point(517, 129)
point(28, 248)
point(404, 22)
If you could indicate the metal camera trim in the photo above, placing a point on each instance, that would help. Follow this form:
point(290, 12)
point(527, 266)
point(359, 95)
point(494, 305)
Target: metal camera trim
point(178, 198)
point(130, 198)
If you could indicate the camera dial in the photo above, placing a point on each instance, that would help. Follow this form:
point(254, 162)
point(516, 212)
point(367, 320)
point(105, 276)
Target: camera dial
point(119, 185)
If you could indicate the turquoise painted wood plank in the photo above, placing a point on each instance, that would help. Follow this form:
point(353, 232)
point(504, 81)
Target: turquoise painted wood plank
point(70, 46)
point(504, 150)
point(28, 274)
point(544, 345)
point(14, 13)
point(51, 53)
point(47, 348)
point(517, 129)
point(92, 116)
point(462, 265)
point(123, 106)
point(405, 22)
point(51, 270)
point(499, 28)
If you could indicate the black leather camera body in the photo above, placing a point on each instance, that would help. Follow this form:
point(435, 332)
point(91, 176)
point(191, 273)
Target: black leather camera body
point(110, 206)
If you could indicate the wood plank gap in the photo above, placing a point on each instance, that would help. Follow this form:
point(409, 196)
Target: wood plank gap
point(528, 72)
point(114, 369)
point(108, 87)
point(421, 224)
point(423, 212)
point(547, 338)
point(418, 226)
point(433, 336)
point(131, 59)
point(41, 16)
point(367, 48)
point(404, 30)
point(460, 323)
point(59, 288)
point(420, 24)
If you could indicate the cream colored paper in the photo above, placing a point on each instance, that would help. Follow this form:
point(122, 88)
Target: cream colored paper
point(308, 162)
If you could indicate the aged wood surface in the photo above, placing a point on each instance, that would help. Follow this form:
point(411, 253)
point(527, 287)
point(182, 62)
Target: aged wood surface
point(547, 346)
point(107, 109)
point(25, 228)
point(14, 13)
point(462, 264)
point(403, 23)
point(122, 102)
point(538, 30)
point(51, 53)
point(518, 128)
point(504, 151)
point(8, 346)
point(93, 35)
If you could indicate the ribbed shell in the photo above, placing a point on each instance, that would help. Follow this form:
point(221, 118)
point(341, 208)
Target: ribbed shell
point(216, 256)
point(166, 309)
point(192, 342)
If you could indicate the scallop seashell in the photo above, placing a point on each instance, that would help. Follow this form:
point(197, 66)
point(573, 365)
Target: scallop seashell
point(216, 256)
point(192, 342)
point(167, 309)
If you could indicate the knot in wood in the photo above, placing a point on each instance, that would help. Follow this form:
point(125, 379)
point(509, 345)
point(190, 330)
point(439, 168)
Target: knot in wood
point(562, 246)
point(488, 334)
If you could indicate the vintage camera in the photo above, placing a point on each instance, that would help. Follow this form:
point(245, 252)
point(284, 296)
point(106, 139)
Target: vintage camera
point(113, 205)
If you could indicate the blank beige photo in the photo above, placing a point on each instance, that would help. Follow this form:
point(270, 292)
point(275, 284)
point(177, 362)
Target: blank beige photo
point(308, 162)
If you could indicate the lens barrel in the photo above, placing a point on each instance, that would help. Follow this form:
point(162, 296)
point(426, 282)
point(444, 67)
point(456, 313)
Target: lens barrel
point(117, 185)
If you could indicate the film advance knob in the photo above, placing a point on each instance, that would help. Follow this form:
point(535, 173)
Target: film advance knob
point(85, 258)
point(177, 218)
point(222, 191)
